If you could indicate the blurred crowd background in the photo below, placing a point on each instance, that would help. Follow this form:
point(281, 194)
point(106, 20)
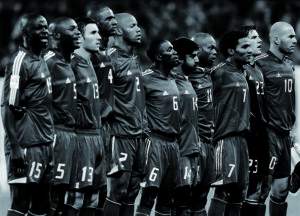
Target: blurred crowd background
point(167, 19)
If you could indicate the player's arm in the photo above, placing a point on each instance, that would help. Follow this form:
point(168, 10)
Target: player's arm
point(12, 111)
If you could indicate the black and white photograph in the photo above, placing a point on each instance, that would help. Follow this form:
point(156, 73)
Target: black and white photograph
point(149, 108)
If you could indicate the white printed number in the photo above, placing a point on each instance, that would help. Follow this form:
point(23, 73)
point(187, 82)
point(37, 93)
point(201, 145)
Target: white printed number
point(272, 163)
point(123, 158)
point(110, 76)
point(195, 105)
point(232, 166)
point(96, 90)
point(244, 95)
point(75, 91)
point(137, 79)
point(49, 85)
point(60, 170)
point(253, 163)
point(187, 173)
point(87, 176)
point(209, 95)
point(175, 103)
point(259, 87)
point(288, 85)
point(153, 174)
point(35, 169)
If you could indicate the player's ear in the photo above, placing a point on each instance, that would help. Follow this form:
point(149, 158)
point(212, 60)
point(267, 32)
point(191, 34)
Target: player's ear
point(56, 35)
point(230, 51)
point(276, 40)
point(158, 57)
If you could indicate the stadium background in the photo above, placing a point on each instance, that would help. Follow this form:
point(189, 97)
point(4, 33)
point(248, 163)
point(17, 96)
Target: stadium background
point(166, 19)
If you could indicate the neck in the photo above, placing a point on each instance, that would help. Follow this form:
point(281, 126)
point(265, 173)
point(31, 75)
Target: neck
point(237, 63)
point(186, 70)
point(83, 53)
point(104, 40)
point(164, 69)
point(36, 50)
point(276, 52)
point(65, 52)
point(125, 46)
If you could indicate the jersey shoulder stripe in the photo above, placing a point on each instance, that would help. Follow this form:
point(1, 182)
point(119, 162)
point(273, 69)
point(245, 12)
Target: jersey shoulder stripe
point(15, 77)
point(262, 56)
point(48, 55)
point(147, 72)
point(217, 66)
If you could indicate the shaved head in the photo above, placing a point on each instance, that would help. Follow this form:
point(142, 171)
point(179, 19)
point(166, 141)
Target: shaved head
point(123, 18)
point(279, 28)
point(282, 38)
point(201, 38)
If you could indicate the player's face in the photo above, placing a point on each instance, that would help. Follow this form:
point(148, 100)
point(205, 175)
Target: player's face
point(38, 33)
point(168, 54)
point(288, 41)
point(131, 30)
point(208, 50)
point(191, 60)
point(243, 51)
point(107, 21)
point(70, 35)
point(256, 42)
point(91, 38)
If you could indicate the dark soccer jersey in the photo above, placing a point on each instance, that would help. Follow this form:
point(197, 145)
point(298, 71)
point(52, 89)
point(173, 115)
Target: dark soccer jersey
point(104, 71)
point(201, 81)
point(162, 102)
point(128, 117)
point(279, 92)
point(256, 85)
point(188, 136)
point(27, 93)
point(231, 101)
point(88, 103)
point(64, 90)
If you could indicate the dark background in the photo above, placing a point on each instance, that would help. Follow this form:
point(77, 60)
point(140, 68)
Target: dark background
point(167, 19)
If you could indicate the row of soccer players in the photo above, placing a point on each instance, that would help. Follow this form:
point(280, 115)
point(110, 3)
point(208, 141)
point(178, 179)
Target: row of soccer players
point(178, 127)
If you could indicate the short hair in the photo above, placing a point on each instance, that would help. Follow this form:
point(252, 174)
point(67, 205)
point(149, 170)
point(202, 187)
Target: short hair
point(184, 46)
point(56, 22)
point(154, 47)
point(82, 22)
point(93, 10)
point(247, 28)
point(230, 41)
point(27, 20)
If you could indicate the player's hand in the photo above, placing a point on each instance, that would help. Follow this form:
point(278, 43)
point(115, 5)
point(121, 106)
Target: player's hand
point(17, 160)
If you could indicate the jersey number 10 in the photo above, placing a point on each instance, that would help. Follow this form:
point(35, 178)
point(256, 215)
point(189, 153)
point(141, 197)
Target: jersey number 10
point(288, 85)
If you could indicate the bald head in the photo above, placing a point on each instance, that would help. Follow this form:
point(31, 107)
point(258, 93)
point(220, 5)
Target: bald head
point(129, 28)
point(282, 38)
point(202, 38)
point(207, 48)
point(280, 28)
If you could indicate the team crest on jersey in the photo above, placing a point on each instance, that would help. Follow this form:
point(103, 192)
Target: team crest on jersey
point(186, 92)
point(43, 75)
point(199, 86)
point(88, 80)
point(165, 93)
point(278, 74)
point(102, 65)
point(129, 73)
point(238, 84)
point(68, 80)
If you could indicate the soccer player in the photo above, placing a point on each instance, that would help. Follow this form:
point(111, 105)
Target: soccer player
point(27, 119)
point(188, 137)
point(90, 150)
point(278, 72)
point(231, 111)
point(162, 102)
point(202, 83)
point(258, 152)
point(101, 60)
point(128, 122)
point(65, 39)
